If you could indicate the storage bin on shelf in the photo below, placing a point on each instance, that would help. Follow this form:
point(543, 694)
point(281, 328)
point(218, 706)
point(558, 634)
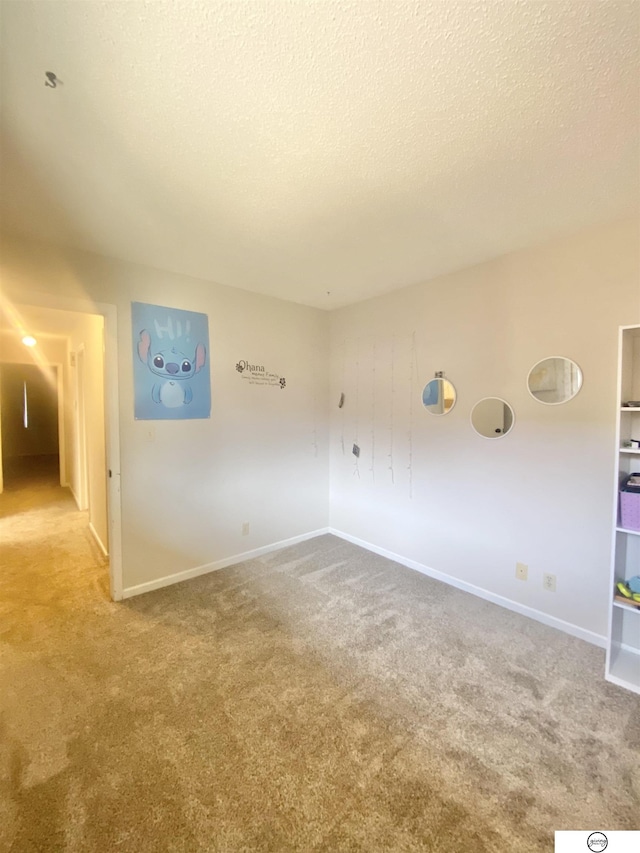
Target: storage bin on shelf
point(630, 502)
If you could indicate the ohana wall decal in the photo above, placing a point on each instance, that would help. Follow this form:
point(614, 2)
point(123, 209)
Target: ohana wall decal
point(170, 363)
point(257, 374)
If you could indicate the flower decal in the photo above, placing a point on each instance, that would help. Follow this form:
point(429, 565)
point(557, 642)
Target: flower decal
point(283, 382)
point(239, 367)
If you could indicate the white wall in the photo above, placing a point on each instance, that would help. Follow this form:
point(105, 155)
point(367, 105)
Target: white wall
point(262, 457)
point(455, 502)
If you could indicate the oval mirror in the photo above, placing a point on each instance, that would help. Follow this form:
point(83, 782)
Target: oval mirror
point(492, 417)
point(439, 396)
point(554, 380)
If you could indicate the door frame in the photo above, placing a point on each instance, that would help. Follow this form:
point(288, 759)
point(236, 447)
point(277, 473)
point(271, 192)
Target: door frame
point(62, 439)
point(111, 415)
point(82, 498)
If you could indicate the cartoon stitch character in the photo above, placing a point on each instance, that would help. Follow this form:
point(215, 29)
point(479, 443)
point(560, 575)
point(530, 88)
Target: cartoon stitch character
point(174, 367)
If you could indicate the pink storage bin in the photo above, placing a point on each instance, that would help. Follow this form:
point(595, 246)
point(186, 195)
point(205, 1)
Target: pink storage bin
point(630, 510)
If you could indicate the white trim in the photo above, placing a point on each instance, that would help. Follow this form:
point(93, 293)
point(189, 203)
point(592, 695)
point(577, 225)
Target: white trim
point(169, 580)
point(112, 444)
point(94, 533)
point(62, 404)
point(479, 592)
point(80, 431)
point(1, 468)
point(75, 497)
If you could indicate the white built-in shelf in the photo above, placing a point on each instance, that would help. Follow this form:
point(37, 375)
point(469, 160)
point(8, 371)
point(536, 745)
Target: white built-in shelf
point(623, 641)
point(625, 668)
point(626, 603)
point(625, 530)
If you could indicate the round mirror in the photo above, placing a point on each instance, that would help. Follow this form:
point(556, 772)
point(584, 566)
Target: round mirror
point(554, 380)
point(492, 417)
point(439, 396)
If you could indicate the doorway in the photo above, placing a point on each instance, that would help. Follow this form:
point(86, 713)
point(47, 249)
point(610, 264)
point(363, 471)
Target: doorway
point(88, 459)
point(29, 422)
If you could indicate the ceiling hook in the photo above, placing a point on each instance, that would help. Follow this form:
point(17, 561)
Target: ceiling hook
point(51, 81)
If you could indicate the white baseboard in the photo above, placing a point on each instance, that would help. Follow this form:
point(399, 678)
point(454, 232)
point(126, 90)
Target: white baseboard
point(141, 588)
point(507, 603)
point(77, 500)
point(98, 539)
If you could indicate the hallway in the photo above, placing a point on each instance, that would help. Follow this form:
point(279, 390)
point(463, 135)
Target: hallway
point(44, 537)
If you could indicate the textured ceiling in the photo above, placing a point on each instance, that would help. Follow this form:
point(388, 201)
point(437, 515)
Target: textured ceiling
point(299, 148)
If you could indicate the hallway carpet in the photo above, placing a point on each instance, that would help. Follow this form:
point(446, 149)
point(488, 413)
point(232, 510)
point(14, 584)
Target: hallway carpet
point(316, 699)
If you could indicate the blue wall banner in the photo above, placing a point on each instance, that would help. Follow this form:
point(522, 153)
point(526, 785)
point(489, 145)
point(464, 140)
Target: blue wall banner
point(171, 378)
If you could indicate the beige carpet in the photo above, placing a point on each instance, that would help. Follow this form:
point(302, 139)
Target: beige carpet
point(318, 699)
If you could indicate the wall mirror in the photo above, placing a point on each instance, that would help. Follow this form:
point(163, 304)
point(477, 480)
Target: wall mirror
point(492, 417)
point(439, 396)
point(554, 380)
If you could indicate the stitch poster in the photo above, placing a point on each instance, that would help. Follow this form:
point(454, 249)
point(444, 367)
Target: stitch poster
point(170, 363)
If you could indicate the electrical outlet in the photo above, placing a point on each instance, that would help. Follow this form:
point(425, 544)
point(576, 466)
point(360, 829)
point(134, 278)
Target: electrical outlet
point(522, 571)
point(245, 528)
point(549, 582)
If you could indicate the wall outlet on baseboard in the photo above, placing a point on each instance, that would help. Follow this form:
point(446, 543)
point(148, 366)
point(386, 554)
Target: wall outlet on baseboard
point(549, 582)
point(245, 528)
point(522, 571)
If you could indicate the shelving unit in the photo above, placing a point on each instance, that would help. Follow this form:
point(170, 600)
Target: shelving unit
point(619, 601)
point(630, 532)
point(623, 647)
